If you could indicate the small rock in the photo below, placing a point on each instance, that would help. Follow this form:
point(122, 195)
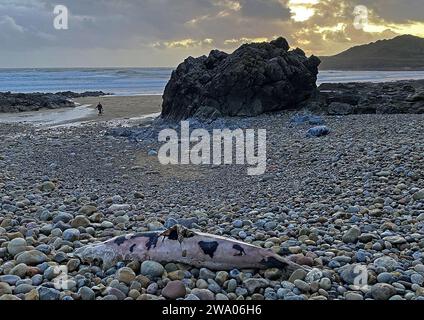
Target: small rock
point(119, 207)
point(5, 288)
point(352, 235)
point(302, 285)
point(203, 294)
point(238, 224)
point(87, 294)
point(63, 216)
point(47, 186)
point(232, 285)
point(107, 225)
point(32, 295)
point(126, 275)
point(48, 294)
point(273, 274)
point(318, 131)
point(16, 246)
point(385, 277)
point(23, 288)
point(417, 279)
point(71, 235)
point(176, 275)
point(298, 274)
point(80, 221)
point(325, 284)
point(31, 258)
point(382, 291)
point(313, 275)
point(386, 262)
point(221, 277)
point(418, 195)
point(396, 240)
point(9, 279)
point(134, 294)
point(174, 290)
point(206, 274)
point(73, 264)
point(254, 284)
point(222, 297)
point(138, 195)
point(87, 210)
point(152, 269)
point(9, 297)
point(191, 297)
point(350, 273)
point(19, 270)
point(117, 293)
point(353, 296)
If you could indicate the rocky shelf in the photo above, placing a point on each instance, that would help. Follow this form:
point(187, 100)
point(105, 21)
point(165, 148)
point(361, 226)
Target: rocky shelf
point(369, 98)
point(21, 102)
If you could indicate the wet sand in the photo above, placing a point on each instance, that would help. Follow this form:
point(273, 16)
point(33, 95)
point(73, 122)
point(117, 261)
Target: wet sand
point(48, 117)
point(116, 108)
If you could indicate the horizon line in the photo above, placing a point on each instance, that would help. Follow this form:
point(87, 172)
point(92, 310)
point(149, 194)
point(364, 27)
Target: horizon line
point(93, 67)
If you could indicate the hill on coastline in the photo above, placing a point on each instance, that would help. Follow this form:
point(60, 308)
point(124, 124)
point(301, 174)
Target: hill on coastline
point(401, 53)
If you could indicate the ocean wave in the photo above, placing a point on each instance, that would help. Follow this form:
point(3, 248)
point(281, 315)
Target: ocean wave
point(144, 81)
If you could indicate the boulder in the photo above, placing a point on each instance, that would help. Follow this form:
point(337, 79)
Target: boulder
point(256, 78)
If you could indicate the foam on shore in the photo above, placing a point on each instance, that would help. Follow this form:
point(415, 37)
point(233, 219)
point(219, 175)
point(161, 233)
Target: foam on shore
point(48, 117)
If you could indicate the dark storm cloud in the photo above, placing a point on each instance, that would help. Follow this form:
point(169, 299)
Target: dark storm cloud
point(265, 9)
point(157, 31)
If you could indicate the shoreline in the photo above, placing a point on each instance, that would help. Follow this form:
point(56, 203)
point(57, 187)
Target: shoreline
point(331, 99)
point(116, 108)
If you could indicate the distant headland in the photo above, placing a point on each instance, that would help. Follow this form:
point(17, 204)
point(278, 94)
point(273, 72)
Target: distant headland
point(404, 52)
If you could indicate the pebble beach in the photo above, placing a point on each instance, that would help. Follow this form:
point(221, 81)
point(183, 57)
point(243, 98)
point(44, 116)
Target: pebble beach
point(350, 200)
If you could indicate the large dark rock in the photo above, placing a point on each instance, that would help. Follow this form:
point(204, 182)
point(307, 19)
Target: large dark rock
point(21, 102)
point(399, 97)
point(256, 78)
point(74, 95)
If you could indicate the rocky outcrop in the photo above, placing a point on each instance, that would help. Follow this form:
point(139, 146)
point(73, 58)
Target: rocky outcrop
point(256, 78)
point(369, 98)
point(21, 102)
point(74, 95)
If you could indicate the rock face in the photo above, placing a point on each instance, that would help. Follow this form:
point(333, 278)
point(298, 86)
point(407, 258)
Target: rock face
point(256, 78)
point(337, 99)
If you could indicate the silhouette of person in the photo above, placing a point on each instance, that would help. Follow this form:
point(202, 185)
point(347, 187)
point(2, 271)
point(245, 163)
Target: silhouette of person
point(100, 108)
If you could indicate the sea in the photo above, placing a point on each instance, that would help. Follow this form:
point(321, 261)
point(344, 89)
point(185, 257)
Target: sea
point(146, 81)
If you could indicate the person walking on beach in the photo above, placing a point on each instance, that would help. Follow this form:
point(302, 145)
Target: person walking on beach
point(100, 108)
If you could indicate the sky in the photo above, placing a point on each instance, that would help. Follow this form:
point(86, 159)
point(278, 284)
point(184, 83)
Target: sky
point(119, 33)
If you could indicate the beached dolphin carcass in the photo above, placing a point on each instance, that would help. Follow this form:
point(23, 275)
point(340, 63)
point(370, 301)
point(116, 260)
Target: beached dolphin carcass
point(181, 245)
